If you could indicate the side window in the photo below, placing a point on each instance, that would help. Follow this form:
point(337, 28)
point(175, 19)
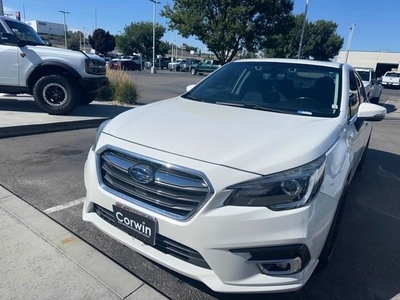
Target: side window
point(361, 89)
point(354, 98)
point(373, 75)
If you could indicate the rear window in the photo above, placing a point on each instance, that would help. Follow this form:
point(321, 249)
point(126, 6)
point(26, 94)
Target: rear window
point(393, 74)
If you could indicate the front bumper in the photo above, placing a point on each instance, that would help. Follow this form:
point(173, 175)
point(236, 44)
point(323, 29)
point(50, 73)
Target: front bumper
point(217, 229)
point(93, 85)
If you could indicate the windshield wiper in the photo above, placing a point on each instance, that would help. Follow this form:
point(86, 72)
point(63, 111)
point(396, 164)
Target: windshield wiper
point(252, 106)
point(192, 98)
point(230, 104)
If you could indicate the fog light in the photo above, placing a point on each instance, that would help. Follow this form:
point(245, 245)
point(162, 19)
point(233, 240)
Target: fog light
point(279, 267)
point(278, 260)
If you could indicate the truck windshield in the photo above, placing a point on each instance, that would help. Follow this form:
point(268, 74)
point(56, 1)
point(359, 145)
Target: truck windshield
point(25, 33)
point(291, 88)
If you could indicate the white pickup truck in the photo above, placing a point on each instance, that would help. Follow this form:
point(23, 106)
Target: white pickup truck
point(391, 79)
point(373, 88)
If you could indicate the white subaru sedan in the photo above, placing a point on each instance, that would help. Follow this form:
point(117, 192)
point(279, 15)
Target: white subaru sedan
point(241, 182)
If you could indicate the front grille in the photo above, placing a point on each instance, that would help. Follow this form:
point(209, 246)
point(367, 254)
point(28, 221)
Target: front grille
point(175, 191)
point(163, 243)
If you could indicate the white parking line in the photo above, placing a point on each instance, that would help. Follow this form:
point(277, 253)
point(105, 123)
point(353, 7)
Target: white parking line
point(64, 206)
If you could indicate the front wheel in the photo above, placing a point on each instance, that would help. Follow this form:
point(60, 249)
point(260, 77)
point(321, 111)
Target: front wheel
point(87, 98)
point(56, 94)
point(193, 71)
point(327, 251)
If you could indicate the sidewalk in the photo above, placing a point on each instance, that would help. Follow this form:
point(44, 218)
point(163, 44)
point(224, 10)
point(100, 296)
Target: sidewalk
point(24, 117)
point(40, 259)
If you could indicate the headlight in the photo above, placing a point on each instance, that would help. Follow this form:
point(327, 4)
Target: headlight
point(98, 133)
point(281, 191)
point(95, 67)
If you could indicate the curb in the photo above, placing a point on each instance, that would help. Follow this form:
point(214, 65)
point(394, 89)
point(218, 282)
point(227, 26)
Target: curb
point(21, 130)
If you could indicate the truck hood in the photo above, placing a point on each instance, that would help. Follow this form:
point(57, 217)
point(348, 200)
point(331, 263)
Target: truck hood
point(250, 140)
point(54, 52)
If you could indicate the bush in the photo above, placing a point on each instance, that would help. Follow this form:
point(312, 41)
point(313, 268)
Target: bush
point(121, 88)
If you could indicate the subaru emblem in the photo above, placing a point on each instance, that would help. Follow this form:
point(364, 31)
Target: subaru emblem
point(142, 173)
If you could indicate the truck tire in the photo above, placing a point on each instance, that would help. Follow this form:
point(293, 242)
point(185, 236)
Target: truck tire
point(56, 94)
point(87, 98)
point(193, 71)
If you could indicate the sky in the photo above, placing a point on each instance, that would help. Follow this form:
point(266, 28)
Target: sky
point(376, 28)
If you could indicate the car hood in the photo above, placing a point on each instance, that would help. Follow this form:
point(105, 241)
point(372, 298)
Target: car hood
point(251, 140)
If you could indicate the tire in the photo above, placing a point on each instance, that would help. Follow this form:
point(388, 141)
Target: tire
point(87, 98)
point(360, 166)
point(56, 94)
point(178, 68)
point(375, 100)
point(327, 251)
point(193, 71)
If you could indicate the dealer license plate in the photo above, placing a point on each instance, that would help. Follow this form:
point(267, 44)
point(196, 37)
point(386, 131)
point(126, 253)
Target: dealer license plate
point(136, 224)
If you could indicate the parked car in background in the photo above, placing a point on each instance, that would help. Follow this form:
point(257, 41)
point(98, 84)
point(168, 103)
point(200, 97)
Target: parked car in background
point(205, 66)
point(391, 79)
point(175, 65)
point(373, 88)
point(241, 182)
point(125, 64)
point(185, 64)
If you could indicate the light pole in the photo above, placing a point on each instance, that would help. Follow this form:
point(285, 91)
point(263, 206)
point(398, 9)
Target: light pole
point(302, 31)
point(153, 68)
point(84, 39)
point(65, 27)
point(1, 8)
point(349, 41)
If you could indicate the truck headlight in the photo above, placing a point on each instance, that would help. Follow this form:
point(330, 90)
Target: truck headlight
point(281, 191)
point(98, 133)
point(95, 67)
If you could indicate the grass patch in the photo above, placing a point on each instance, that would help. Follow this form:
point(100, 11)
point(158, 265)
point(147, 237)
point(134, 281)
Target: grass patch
point(120, 88)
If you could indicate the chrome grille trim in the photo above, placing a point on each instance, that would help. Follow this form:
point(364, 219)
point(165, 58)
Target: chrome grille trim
point(163, 243)
point(176, 192)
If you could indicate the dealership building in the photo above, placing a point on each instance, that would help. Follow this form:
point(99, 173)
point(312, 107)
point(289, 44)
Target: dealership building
point(44, 27)
point(379, 61)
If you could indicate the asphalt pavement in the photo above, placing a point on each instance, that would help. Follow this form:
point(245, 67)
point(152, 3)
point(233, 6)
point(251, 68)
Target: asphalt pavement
point(40, 258)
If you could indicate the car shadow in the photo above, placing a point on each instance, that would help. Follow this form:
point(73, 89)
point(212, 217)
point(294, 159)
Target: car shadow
point(390, 108)
point(367, 252)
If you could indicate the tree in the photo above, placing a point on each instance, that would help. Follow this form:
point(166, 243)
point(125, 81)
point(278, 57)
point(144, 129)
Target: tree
point(102, 41)
point(320, 40)
point(74, 40)
point(138, 37)
point(226, 26)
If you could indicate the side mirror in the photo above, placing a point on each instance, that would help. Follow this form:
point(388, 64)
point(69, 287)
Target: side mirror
point(371, 112)
point(189, 87)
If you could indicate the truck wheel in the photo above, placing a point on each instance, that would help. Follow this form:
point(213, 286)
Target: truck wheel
point(87, 98)
point(56, 94)
point(193, 71)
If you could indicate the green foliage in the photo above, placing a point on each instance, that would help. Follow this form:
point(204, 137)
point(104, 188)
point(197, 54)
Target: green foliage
point(74, 40)
point(102, 41)
point(320, 41)
point(138, 38)
point(226, 26)
point(120, 87)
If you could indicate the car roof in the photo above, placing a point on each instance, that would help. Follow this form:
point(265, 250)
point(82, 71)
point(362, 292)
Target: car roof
point(294, 61)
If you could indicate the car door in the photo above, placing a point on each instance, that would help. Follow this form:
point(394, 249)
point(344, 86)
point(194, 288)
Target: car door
point(9, 52)
point(359, 130)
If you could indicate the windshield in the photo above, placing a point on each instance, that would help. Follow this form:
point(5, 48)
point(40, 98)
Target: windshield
point(364, 75)
point(25, 33)
point(292, 88)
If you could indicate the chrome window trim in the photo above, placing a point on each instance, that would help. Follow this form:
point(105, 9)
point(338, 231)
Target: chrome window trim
point(167, 165)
